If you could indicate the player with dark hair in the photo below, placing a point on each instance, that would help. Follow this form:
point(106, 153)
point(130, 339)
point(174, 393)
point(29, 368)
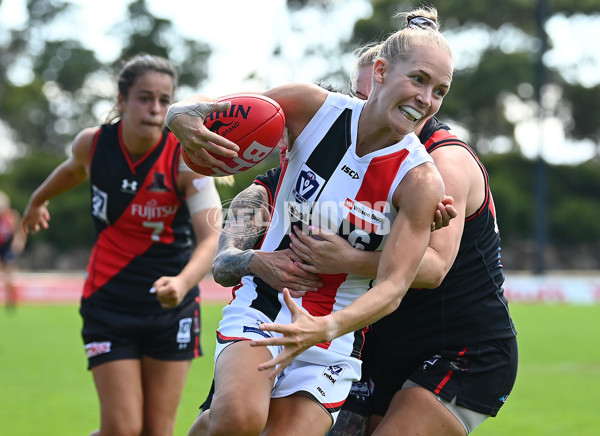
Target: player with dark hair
point(157, 225)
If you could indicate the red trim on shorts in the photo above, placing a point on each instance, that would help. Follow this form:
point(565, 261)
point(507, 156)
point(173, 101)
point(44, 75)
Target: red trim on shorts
point(233, 291)
point(439, 387)
point(443, 382)
point(334, 406)
point(224, 338)
point(197, 340)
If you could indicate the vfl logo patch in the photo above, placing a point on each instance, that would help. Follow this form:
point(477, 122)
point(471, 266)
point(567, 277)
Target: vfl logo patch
point(430, 362)
point(99, 204)
point(362, 390)
point(95, 348)
point(306, 186)
point(333, 373)
point(184, 334)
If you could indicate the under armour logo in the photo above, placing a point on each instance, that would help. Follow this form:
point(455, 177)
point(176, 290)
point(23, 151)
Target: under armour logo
point(129, 185)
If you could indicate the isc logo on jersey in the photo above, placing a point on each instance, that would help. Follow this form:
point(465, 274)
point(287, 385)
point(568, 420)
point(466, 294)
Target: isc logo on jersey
point(353, 174)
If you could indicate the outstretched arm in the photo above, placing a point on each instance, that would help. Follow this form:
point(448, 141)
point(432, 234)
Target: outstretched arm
point(186, 120)
point(416, 199)
point(66, 176)
point(323, 253)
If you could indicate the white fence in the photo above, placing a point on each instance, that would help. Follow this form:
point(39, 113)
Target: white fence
point(553, 288)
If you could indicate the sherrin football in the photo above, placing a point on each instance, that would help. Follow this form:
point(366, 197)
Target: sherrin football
point(254, 122)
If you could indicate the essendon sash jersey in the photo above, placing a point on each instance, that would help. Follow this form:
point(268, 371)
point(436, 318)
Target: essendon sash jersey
point(469, 306)
point(142, 225)
point(325, 184)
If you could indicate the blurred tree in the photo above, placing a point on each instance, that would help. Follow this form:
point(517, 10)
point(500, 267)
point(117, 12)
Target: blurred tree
point(499, 69)
point(144, 33)
point(36, 75)
point(501, 83)
point(50, 89)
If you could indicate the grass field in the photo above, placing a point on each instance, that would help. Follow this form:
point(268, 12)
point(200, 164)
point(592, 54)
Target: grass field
point(45, 388)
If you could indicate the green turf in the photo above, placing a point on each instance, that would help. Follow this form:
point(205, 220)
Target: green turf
point(45, 388)
point(557, 386)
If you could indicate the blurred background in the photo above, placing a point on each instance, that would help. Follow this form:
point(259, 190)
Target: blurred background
point(525, 97)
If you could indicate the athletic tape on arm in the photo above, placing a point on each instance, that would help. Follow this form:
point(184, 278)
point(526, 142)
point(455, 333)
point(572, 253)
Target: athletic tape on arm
point(207, 196)
point(199, 109)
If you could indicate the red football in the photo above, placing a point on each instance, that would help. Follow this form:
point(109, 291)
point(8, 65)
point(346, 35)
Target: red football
point(254, 122)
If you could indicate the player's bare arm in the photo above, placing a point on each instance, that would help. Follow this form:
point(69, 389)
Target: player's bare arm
point(206, 215)
point(407, 240)
point(322, 254)
point(70, 173)
point(465, 183)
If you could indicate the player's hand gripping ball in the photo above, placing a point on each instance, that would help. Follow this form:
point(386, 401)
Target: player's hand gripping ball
point(254, 122)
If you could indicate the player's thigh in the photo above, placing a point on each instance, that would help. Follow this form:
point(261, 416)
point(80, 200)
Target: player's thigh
point(239, 386)
point(119, 387)
point(297, 415)
point(416, 411)
point(163, 383)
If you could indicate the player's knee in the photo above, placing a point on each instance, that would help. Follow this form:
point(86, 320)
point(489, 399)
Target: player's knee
point(158, 428)
point(200, 425)
point(243, 422)
point(121, 429)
